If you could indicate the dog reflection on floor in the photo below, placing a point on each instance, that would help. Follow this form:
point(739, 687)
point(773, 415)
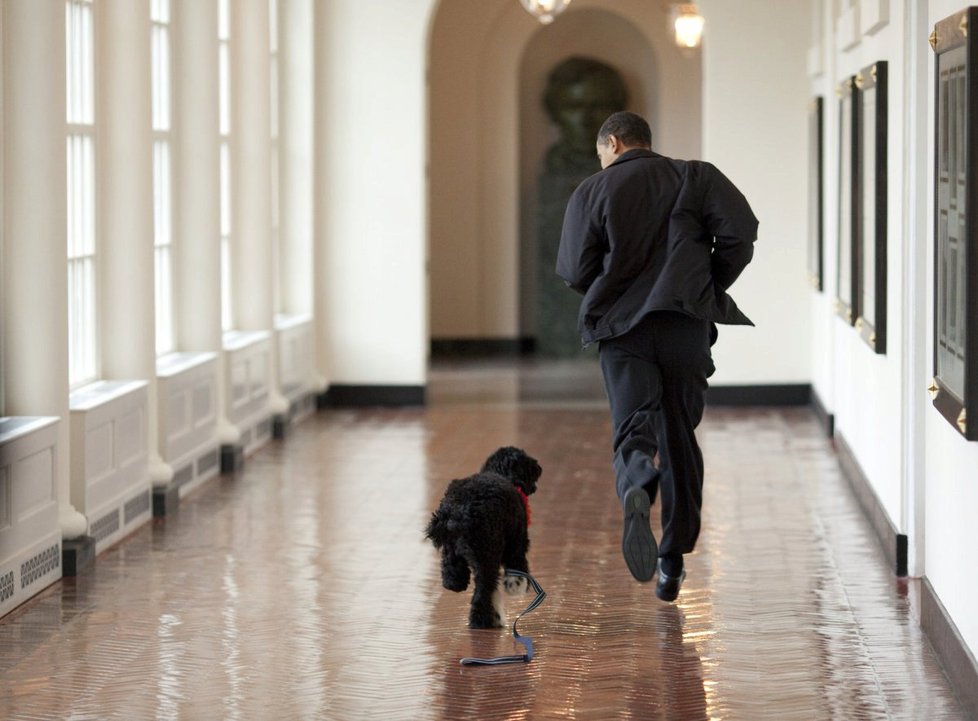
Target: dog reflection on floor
point(480, 526)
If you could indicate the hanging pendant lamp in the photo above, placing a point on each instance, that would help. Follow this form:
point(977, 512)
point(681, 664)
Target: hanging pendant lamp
point(689, 26)
point(545, 10)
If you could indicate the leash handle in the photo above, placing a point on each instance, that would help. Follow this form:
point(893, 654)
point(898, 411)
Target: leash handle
point(526, 641)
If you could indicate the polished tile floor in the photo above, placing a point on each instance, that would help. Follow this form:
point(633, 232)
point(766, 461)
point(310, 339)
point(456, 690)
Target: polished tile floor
point(301, 588)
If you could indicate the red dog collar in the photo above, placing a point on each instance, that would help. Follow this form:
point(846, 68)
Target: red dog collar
point(526, 503)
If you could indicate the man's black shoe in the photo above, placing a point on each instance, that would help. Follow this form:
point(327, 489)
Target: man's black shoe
point(667, 587)
point(638, 545)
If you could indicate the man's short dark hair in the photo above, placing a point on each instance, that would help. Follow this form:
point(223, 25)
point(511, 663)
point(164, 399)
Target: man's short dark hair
point(629, 128)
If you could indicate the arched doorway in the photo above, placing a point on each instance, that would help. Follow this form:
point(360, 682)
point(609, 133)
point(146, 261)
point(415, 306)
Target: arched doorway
point(486, 135)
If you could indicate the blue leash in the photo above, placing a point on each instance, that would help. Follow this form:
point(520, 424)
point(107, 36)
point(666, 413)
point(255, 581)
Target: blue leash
point(525, 640)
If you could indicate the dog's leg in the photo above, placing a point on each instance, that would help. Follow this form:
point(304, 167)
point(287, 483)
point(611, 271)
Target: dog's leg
point(515, 558)
point(498, 607)
point(454, 571)
point(486, 611)
point(515, 585)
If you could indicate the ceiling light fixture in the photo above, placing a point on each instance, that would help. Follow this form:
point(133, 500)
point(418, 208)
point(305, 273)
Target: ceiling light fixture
point(689, 26)
point(545, 10)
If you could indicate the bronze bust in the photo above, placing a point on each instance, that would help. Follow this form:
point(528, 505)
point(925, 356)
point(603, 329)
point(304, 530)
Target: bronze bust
point(581, 93)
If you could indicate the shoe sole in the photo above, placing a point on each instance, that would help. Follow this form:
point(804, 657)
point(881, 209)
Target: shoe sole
point(638, 545)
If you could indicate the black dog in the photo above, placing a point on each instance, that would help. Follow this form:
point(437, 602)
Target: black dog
point(481, 524)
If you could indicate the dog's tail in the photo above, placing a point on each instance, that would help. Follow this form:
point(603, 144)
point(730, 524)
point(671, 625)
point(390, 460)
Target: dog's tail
point(439, 528)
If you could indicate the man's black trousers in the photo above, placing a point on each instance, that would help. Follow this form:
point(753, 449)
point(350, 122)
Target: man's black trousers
point(656, 377)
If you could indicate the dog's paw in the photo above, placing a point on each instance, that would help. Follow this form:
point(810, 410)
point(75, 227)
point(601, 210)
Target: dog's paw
point(515, 585)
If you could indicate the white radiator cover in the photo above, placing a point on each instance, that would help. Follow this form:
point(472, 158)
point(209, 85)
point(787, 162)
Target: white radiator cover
point(186, 388)
point(110, 482)
point(296, 352)
point(247, 357)
point(30, 535)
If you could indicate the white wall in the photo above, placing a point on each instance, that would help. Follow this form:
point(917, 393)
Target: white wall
point(864, 388)
point(924, 473)
point(951, 491)
point(478, 65)
point(755, 98)
point(753, 126)
point(370, 204)
point(663, 85)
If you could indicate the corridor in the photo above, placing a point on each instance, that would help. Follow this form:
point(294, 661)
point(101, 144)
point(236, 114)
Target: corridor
point(301, 588)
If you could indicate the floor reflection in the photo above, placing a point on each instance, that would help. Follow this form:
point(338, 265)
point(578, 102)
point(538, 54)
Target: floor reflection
point(301, 588)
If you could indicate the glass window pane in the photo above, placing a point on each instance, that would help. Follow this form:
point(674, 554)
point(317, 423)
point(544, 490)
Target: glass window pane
point(224, 90)
point(226, 317)
point(225, 190)
point(223, 20)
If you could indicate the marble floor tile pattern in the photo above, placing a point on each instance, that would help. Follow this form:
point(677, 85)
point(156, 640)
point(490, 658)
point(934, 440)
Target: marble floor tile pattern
point(302, 588)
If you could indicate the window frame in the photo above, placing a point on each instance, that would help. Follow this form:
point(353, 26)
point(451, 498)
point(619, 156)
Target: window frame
point(82, 193)
point(162, 139)
point(225, 133)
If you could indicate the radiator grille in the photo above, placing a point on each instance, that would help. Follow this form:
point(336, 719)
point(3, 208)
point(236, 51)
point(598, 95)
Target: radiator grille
point(105, 526)
point(6, 586)
point(40, 565)
point(136, 506)
point(184, 475)
point(208, 461)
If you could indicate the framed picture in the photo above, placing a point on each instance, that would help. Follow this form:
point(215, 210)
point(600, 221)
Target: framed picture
point(816, 169)
point(870, 226)
point(955, 385)
point(846, 296)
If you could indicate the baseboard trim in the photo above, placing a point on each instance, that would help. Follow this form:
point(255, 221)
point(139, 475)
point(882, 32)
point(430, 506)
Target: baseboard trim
point(359, 396)
point(826, 419)
point(787, 394)
point(444, 348)
point(958, 661)
point(894, 543)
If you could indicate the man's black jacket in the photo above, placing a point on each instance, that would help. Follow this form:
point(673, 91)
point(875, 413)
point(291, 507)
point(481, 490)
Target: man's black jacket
point(652, 233)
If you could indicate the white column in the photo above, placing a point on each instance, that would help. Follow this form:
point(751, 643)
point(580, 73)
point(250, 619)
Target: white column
point(197, 188)
point(296, 94)
point(916, 361)
point(35, 266)
point(127, 326)
point(322, 24)
point(252, 273)
point(251, 166)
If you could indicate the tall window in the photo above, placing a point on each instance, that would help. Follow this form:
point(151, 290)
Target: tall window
point(273, 85)
point(224, 60)
point(162, 184)
point(80, 85)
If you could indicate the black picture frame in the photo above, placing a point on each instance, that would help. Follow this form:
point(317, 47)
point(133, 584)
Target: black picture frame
point(816, 193)
point(954, 388)
point(871, 218)
point(847, 257)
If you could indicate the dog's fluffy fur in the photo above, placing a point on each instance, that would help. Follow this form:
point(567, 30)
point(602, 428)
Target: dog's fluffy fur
point(480, 526)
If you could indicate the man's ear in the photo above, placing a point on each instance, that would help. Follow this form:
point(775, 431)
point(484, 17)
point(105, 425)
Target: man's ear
point(615, 144)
